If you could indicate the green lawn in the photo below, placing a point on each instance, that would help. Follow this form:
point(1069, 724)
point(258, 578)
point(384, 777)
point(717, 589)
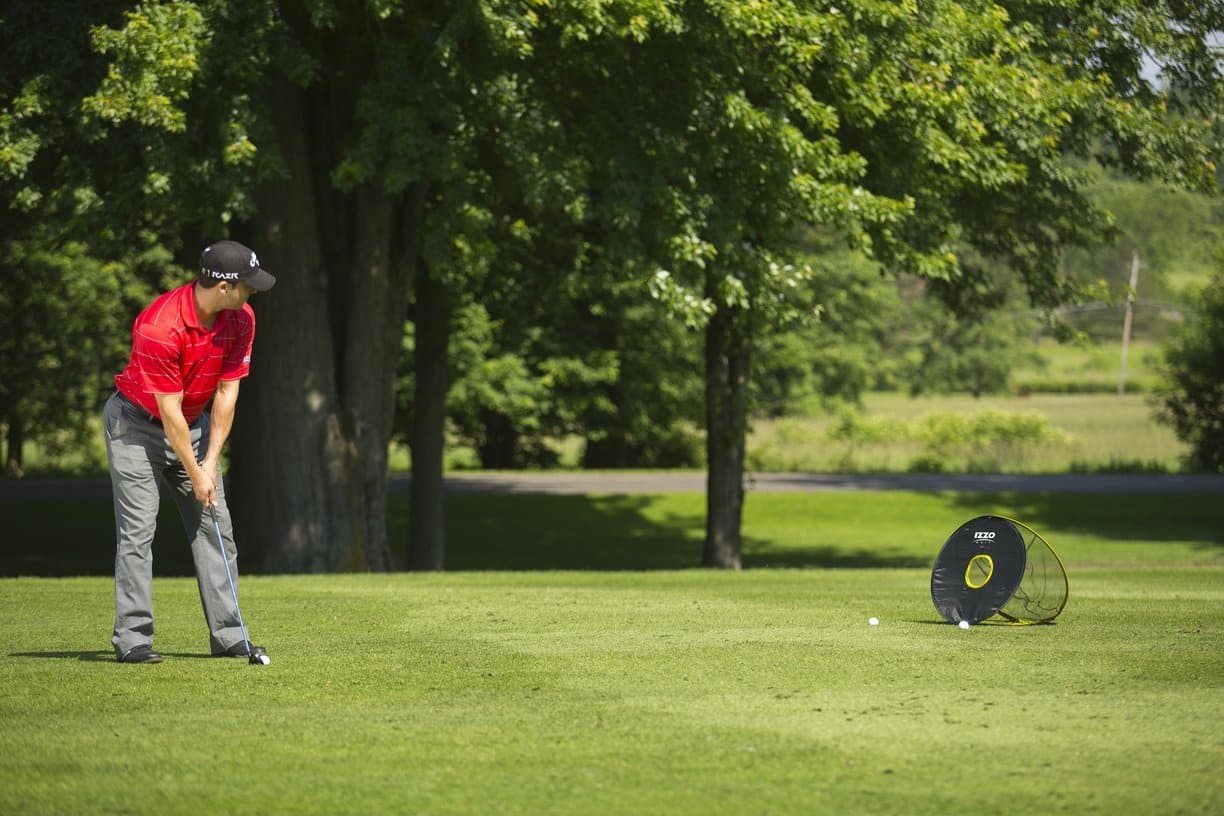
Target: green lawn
point(620, 692)
point(635, 687)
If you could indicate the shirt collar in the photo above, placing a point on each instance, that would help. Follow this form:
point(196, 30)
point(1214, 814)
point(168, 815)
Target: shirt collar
point(187, 308)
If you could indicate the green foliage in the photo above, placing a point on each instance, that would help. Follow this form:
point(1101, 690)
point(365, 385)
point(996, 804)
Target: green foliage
point(584, 155)
point(973, 353)
point(65, 337)
point(1174, 232)
point(508, 404)
point(155, 61)
point(1192, 397)
point(983, 440)
point(986, 441)
point(621, 377)
point(846, 342)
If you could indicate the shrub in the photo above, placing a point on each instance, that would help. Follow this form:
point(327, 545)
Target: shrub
point(982, 441)
point(1191, 399)
point(948, 442)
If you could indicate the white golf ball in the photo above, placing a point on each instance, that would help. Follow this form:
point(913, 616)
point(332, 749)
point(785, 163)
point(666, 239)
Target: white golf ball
point(873, 621)
point(963, 624)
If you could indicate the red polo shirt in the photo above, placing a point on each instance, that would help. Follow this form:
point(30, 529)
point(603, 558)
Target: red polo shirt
point(172, 352)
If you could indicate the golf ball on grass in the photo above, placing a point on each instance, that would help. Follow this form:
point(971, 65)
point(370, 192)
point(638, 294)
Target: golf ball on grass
point(873, 621)
point(963, 624)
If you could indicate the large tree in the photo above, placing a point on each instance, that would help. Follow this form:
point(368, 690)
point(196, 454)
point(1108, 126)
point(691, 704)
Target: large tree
point(385, 160)
point(927, 132)
point(381, 154)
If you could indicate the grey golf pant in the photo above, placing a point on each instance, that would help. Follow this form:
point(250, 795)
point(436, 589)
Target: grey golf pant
point(143, 467)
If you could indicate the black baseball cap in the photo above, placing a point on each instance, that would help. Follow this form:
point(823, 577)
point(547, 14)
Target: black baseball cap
point(231, 261)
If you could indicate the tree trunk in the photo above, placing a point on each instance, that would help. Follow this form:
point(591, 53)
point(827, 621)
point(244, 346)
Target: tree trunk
point(498, 445)
point(309, 444)
point(727, 368)
point(377, 305)
point(14, 445)
point(426, 530)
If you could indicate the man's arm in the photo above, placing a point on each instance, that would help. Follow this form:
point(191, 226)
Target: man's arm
point(225, 400)
point(178, 434)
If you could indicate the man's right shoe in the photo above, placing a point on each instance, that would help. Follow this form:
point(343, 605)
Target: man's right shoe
point(140, 654)
point(239, 649)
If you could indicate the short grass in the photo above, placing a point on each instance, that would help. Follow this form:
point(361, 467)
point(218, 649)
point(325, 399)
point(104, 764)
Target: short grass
point(620, 693)
point(630, 686)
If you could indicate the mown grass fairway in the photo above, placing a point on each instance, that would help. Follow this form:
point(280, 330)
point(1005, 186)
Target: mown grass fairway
point(657, 691)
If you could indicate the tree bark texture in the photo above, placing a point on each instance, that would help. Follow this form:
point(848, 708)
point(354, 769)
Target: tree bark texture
point(727, 369)
point(309, 464)
point(431, 317)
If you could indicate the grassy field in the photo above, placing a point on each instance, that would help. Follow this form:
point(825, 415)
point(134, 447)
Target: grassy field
point(626, 693)
point(1096, 367)
point(1094, 433)
point(634, 687)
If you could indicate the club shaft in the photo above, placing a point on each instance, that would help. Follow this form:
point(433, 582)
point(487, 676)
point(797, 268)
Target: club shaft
point(229, 576)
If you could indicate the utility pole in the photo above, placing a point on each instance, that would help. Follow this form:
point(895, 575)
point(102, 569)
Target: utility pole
point(1129, 318)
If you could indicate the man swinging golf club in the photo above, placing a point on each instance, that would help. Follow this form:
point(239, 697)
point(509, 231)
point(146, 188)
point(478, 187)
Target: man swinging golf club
point(192, 345)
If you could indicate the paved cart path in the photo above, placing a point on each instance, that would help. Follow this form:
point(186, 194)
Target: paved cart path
point(625, 483)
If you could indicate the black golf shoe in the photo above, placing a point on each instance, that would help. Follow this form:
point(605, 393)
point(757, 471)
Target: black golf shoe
point(140, 654)
point(239, 649)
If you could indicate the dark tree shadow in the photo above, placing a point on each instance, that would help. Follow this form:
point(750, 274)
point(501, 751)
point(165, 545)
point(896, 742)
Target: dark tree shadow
point(108, 656)
point(1180, 517)
point(96, 656)
point(567, 532)
point(519, 531)
point(56, 538)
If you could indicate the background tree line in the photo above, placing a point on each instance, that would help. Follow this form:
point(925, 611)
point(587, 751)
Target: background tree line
point(616, 220)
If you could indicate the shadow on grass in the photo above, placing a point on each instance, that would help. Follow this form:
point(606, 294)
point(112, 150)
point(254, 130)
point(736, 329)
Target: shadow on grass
point(108, 656)
point(758, 553)
point(573, 532)
point(77, 537)
point(562, 532)
point(86, 657)
point(1194, 517)
point(567, 532)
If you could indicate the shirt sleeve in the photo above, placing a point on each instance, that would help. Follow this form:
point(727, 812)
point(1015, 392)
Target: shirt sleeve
point(237, 362)
point(161, 369)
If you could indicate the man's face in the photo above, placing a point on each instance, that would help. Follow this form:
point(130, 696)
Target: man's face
point(237, 294)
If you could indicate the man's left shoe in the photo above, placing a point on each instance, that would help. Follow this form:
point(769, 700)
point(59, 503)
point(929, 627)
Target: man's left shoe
point(239, 649)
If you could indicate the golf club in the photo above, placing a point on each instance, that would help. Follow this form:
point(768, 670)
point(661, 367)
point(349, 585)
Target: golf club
point(253, 659)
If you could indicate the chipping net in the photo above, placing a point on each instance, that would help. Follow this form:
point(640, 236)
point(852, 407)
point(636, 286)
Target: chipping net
point(1043, 590)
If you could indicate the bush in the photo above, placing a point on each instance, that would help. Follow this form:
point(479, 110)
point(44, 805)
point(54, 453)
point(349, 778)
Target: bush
point(1191, 398)
point(948, 442)
point(983, 441)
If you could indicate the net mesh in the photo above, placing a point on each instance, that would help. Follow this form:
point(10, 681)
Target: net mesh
point(1042, 593)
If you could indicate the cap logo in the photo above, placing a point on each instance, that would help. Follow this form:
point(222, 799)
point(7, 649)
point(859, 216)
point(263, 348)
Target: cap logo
point(219, 275)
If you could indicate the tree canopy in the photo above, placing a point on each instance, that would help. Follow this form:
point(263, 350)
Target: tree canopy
point(394, 161)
